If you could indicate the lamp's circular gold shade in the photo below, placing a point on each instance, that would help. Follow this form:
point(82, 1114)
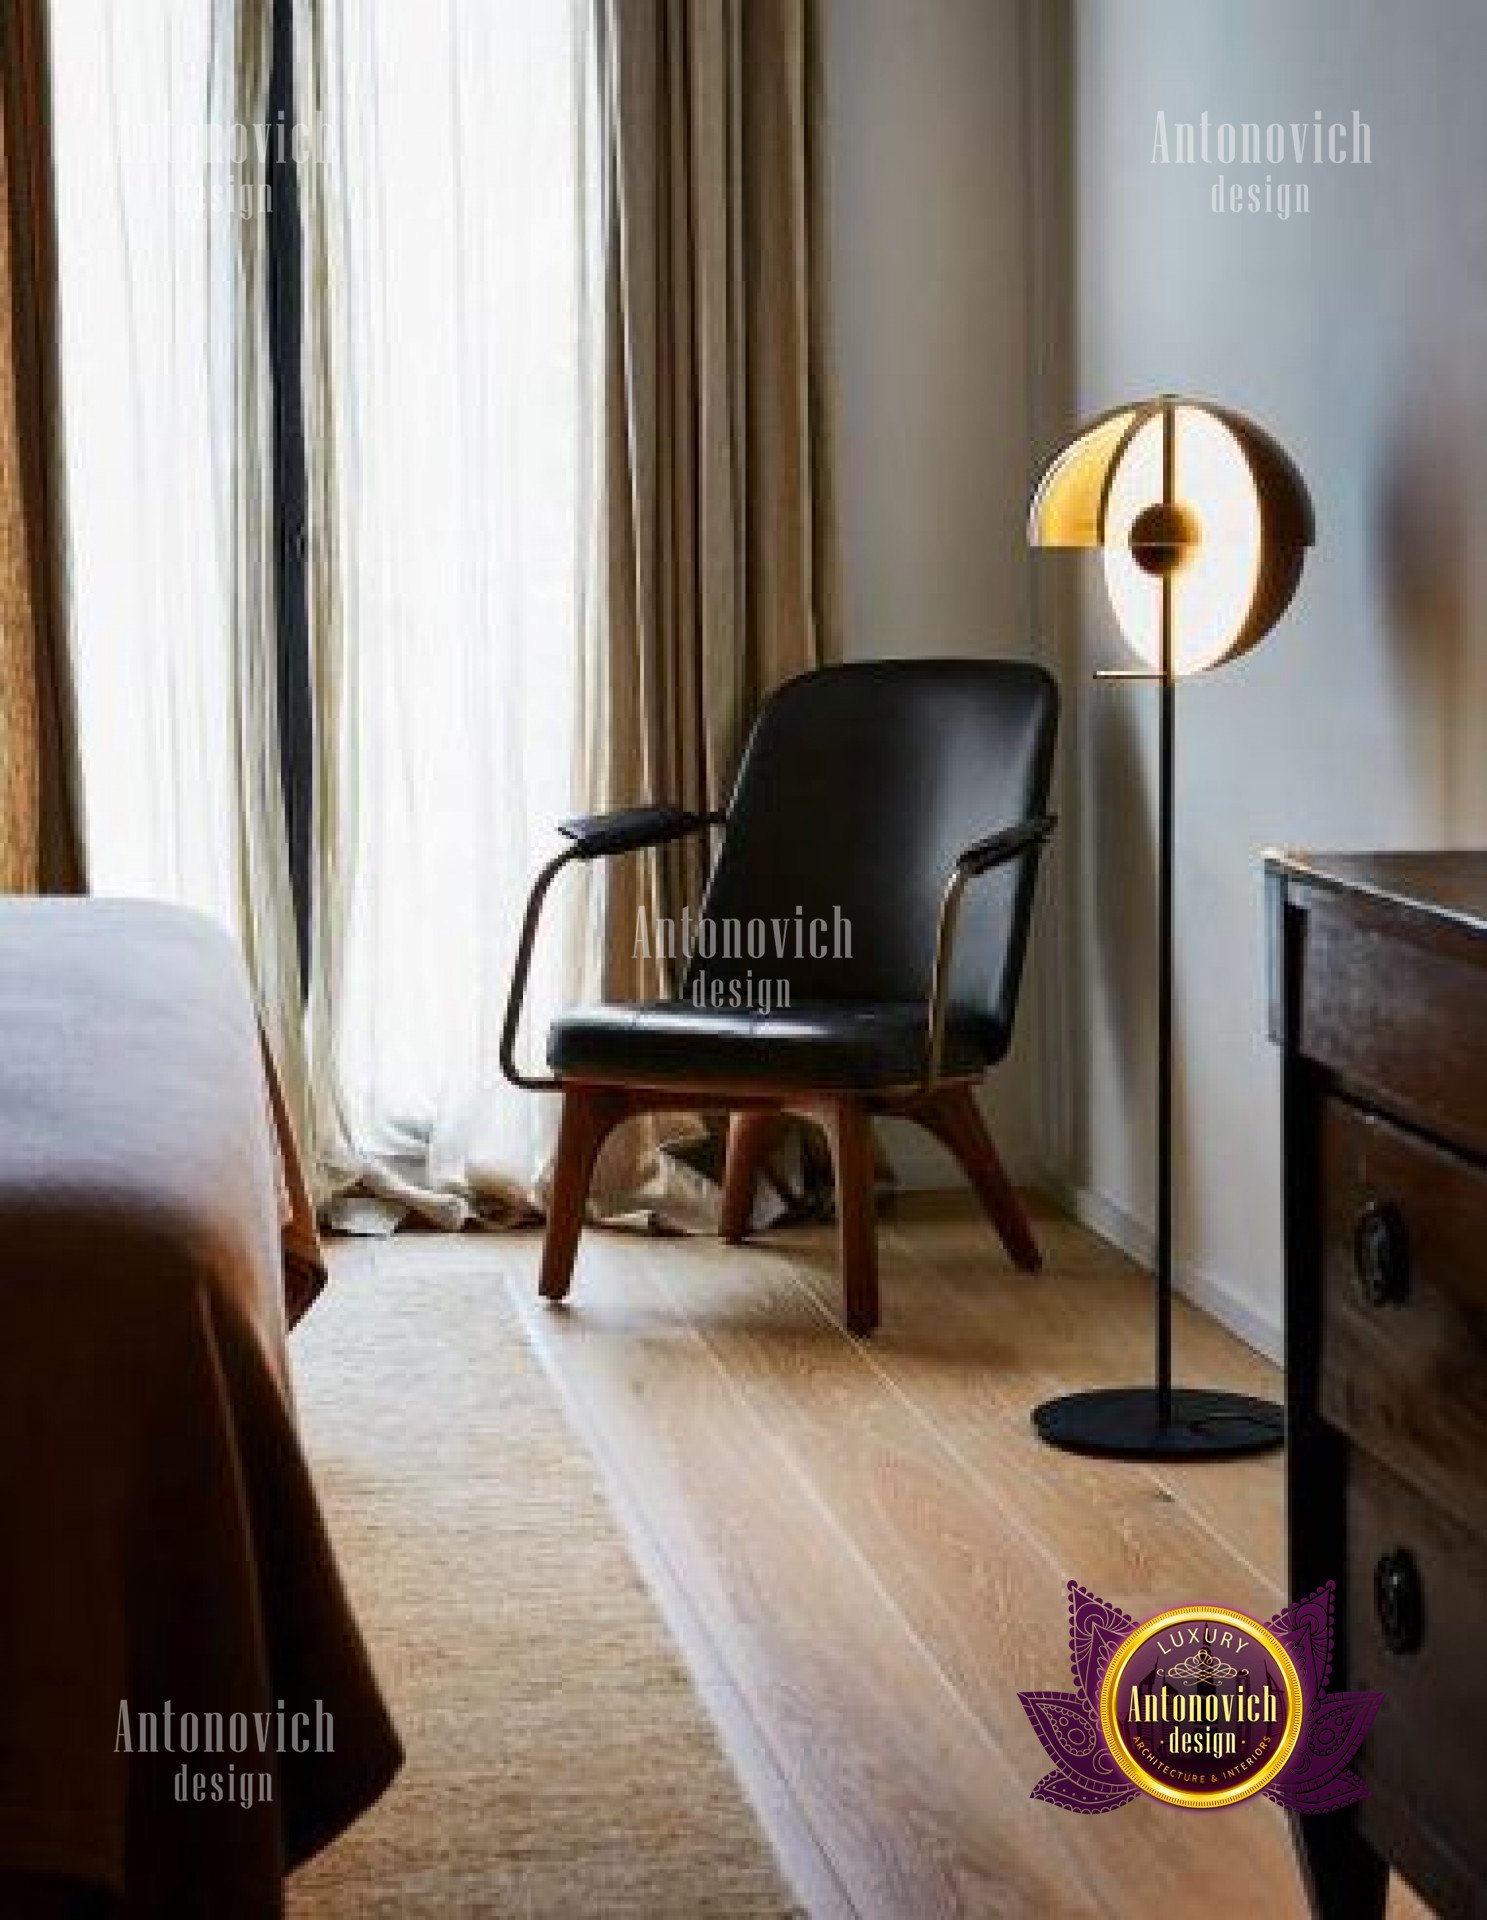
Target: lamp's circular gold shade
point(1190, 499)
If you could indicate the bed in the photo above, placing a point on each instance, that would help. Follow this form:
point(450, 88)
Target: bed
point(167, 1578)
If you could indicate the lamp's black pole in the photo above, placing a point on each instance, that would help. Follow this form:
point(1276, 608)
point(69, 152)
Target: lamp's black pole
point(1162, 1422)
point(1166, 795)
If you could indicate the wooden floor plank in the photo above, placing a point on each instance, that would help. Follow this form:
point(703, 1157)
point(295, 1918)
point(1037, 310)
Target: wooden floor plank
point(806, 1862)
point(977, 1580)
point(913, 1801)
point(1086, 1321)
point(1115, 1525)
point(861, 1546)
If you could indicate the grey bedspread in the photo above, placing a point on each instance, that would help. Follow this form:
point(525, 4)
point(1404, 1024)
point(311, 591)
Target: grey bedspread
point(161, 1538)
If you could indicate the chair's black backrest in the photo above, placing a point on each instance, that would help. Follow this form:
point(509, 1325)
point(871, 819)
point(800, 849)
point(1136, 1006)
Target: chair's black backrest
point(859, 786)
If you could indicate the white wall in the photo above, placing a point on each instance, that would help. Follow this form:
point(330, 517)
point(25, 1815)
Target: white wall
point(925, 202)
point(1358, 334)
point(923, 169)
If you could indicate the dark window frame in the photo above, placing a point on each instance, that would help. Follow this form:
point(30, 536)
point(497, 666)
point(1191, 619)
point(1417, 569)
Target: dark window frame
point(290, 479)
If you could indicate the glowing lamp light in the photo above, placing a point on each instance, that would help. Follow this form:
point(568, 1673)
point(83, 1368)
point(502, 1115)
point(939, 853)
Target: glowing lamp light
point(1202, 518)
point(1203, 524)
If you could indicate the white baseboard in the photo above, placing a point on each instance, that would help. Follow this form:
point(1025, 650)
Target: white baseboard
point(1134, 1237)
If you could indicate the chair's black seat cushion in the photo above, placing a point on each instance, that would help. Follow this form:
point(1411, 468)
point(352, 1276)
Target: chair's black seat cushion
point(838, 1044)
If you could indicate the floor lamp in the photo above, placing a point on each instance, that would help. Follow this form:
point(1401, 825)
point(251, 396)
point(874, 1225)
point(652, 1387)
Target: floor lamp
point(1203, 523)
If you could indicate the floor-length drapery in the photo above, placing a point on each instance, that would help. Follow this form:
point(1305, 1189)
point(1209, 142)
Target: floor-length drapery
point(564, 525)
point(713, 507)
point(40, 831)
point(168, 462)
point(449, 411)
point(565, 509)
point(714, 514)
point(711, 511)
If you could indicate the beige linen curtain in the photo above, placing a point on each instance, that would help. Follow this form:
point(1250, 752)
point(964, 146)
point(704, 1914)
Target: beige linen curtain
point(567, 507)
point(714, 521)
point(566, 512)
point(40, 841)
point(449, 407)
point(167, 414)
point(713, 507)
point(264, 901)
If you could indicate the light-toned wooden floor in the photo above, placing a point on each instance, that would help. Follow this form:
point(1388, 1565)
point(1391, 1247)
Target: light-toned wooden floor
point(863, 1550)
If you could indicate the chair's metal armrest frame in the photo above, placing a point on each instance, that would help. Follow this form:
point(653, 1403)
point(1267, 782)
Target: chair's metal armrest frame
point(598, 836)
point(981, 857)
point(516, 996)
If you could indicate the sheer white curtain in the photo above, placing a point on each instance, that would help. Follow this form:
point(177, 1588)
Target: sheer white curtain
point(449, 244)
point(167, 468)
point(452, 384)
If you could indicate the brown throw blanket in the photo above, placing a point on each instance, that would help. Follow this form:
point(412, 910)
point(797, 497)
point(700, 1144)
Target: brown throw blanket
point(186, 1705)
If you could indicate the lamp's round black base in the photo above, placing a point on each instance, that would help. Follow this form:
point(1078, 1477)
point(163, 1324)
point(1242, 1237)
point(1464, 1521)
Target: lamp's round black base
point(1124, 1423)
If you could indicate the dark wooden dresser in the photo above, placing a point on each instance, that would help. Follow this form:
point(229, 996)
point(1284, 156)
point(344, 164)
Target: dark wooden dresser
point(1378, 994)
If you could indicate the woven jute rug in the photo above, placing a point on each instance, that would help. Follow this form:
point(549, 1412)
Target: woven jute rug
point(559, 1760)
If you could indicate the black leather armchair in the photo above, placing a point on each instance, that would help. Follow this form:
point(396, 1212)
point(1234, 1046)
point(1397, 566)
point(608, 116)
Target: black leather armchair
point(900, 806)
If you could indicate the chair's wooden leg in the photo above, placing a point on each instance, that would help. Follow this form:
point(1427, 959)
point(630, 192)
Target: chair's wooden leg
point(590, 1115)
point(749, 1135)
point(952, 1116)
point(850, 1133)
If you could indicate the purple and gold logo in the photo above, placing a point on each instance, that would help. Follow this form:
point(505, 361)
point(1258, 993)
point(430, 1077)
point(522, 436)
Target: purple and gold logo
point(1200, 1707)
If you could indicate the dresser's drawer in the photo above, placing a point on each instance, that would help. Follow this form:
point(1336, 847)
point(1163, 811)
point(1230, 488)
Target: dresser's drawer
point(1404, 1314)
point(1413, 1616)
point(1400, 1021)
